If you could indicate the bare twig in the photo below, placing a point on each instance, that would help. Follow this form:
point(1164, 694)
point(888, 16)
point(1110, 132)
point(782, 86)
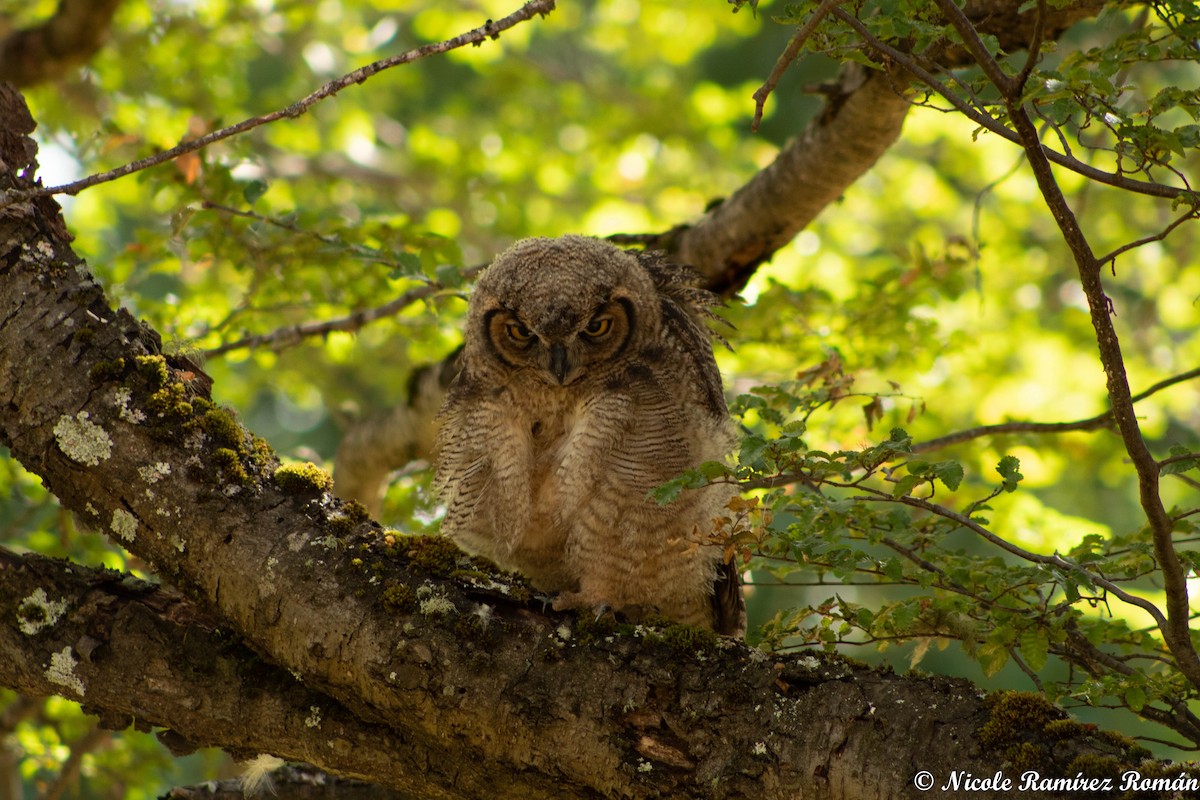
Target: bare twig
point(1111, 257)
point(787, 57)
point(489, 30)
point(1035, 48)
point(1029, 673)
point(1089, 424)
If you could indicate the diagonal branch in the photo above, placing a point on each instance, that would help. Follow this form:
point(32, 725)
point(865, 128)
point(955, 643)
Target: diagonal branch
point(787, 57)
point(1175, 626)
point(202, 687)
point(489, 30)
point(290, 335)
point(1111, 257)
point(1102, 420)
point(474, 690)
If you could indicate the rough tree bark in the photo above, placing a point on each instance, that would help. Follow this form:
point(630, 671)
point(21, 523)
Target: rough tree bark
point(298, 627)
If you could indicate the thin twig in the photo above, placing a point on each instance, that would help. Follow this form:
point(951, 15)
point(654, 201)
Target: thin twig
point(1192, 213)
point(1090, 424)
point(978, 50)
point(1178, 458)
point(993, 125)
point(489, 30)
point(787, 57)
point(1020, 552)
point(289, 335)
point(368, 253)
point(1035, 48)
point(1029, 673)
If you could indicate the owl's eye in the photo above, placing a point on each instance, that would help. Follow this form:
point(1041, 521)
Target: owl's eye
point(598, 327)
point(518, 332)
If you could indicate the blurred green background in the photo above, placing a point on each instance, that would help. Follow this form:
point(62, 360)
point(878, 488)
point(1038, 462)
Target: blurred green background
point(939, 279)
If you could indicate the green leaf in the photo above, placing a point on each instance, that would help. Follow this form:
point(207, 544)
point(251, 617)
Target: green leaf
point(754, 451)
point(906, 485)
point(950, 473)
point(893, 568)
point(992, 658)
point(448, 275)
point(254, 190)
point(1009, 469)
point(1035, 647)
point(1135, 698)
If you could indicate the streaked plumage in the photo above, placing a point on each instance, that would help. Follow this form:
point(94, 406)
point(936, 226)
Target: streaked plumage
point(588, 380)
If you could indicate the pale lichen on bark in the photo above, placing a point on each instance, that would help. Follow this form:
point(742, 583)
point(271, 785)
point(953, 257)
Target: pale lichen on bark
point(82, 440)
point(37, 612)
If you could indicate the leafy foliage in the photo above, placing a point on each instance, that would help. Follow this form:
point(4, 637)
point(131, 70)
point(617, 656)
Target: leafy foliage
point(936, 297)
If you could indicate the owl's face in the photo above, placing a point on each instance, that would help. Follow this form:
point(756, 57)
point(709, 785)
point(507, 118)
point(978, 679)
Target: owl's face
point(561, 308)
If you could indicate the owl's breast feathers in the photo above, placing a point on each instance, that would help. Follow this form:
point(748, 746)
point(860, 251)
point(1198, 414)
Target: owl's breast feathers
point(588, 380)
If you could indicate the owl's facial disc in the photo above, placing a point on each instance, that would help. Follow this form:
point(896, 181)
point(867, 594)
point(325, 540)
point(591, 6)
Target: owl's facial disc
point(558, 348)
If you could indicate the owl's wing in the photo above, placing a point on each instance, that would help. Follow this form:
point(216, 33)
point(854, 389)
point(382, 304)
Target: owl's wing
point(686, 310)
point(462, 465)
point(484, 471)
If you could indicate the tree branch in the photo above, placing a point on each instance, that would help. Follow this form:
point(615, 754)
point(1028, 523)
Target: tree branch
point(992, 125)
point(864, 111)
point(489, 30)
point(468, 689)
point(67, 40)
point(1175, 627)
point(1090, 424)
point(787, 57)
point(1111, 257)
point(862, 118)
point(1055, 560)
point(203, 687)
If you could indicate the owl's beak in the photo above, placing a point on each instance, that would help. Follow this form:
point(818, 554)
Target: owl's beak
point(558, 362)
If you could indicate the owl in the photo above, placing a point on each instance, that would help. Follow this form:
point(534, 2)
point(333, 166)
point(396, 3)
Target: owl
point(586, 380)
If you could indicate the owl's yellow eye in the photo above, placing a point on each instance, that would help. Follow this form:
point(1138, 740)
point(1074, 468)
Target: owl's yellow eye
point(518, 332)
point(598, 327)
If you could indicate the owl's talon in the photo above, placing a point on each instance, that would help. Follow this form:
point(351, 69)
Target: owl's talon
point(572, 601)
point(568, 601)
